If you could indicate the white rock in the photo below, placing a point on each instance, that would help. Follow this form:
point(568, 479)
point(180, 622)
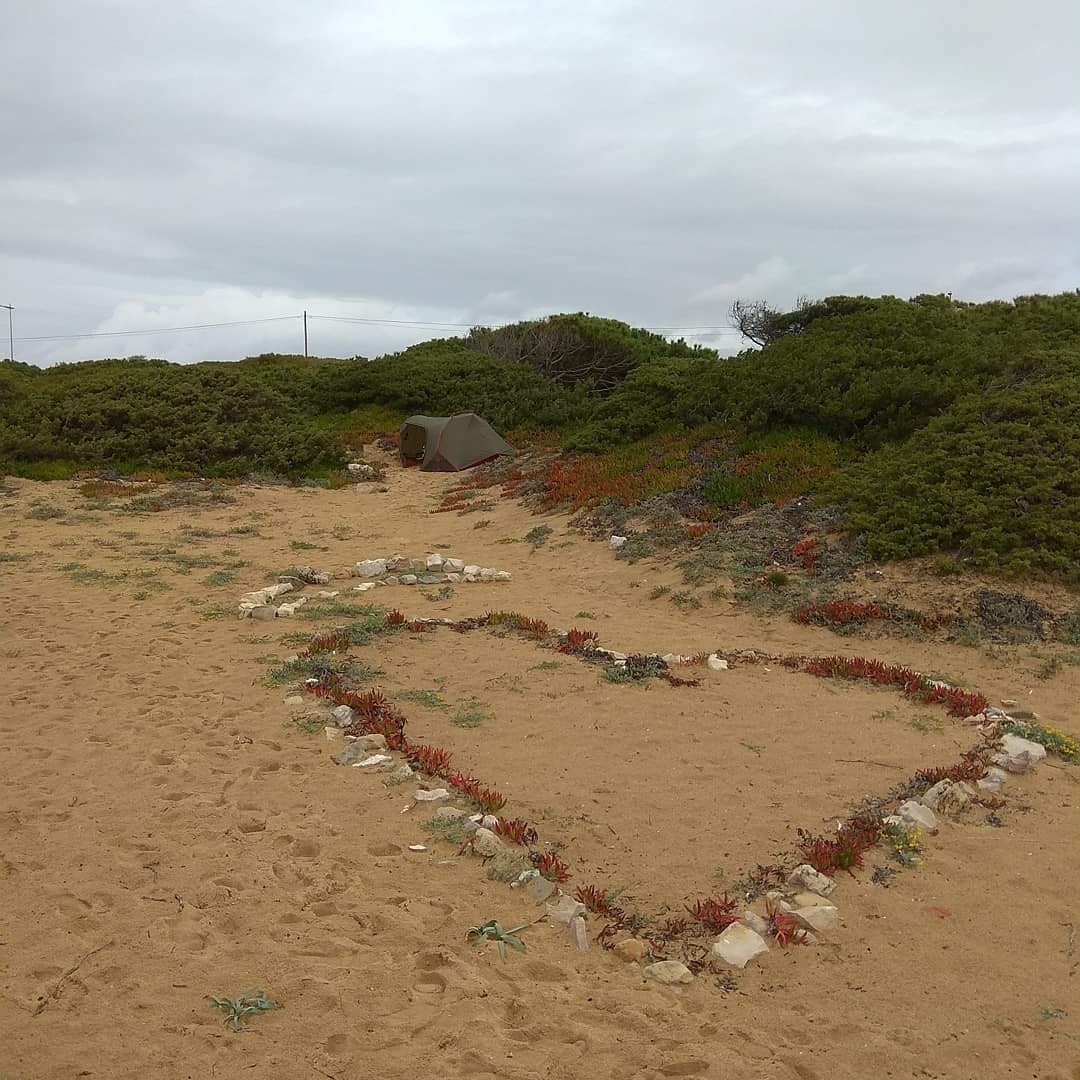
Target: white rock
point(486, 843)
point(264, 611)
point(417, 847)
point(398, 561)
point(280, 589)
point(738, 945)
point(328, 594)
point(487, 573)
point(948, 797)
point(565, 910)
point(434, 795)
point(371, 568)
point(294, 699)
point(406, 772)
point(390, 579)
point(471, 570)
point(453, 566)
point(580, 934)
point(434, 562)
point(820, 916)
point(541, 888)
point(616, 542)
point(333, 734)
point(375, 759)
point(669, 973)
point(343, 715)
point(286, 611)
point(717, 663)
point(806, 877)
point(993, 779)
point(364, 586)
point(371, 742)
point(503, 575)
point(917, 814)
point(455, 578)
point(489, 821)
point(756, 923)
point(1018, 755)
point(933, 797)
point(408, 579)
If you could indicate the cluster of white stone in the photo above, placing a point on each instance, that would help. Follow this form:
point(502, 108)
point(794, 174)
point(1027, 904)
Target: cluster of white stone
point(433, 569)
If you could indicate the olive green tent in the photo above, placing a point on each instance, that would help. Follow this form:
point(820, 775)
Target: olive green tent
point(449, 443)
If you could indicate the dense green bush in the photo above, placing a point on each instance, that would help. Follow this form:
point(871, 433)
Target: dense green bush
point(949, 426)
point(443, 377)
point(996, 478)
point(580, 350)
point(872, 375)
point(210, 419)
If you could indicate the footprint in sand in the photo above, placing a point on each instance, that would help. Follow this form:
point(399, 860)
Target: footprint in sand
point(431, 982)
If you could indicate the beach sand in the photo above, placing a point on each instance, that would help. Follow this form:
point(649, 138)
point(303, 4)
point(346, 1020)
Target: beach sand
point(168, 832)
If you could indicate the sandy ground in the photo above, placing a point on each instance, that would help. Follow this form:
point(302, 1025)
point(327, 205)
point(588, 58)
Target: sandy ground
point(167, 831)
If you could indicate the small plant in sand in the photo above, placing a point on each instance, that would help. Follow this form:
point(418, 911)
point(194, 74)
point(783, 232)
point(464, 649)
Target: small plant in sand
point(715, 913)
point(431, 698)
point(308, 723)
point(430, 760)
point(449, 829)
point(538, 537)
point(492, 930)
point(782, 927)
point(237, 1009)
point(516, 831)
point(842, 850)
point(469, 714)
point(579, 642)
point(905, 844)
point(597, 901)
point(43, 511)
point(551, 866)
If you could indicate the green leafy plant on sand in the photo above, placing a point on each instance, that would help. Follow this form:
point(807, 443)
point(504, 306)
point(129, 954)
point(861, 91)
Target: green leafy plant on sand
point(492, 931)
point(470, 714)
point(905, 843)
point(538, 537)
point(249, 1003)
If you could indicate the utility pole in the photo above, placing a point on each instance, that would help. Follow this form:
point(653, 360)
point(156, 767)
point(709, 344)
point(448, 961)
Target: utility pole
point(305, 333)
point(11, 331)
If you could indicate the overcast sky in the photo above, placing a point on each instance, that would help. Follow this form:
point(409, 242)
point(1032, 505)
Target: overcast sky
point(461, 161)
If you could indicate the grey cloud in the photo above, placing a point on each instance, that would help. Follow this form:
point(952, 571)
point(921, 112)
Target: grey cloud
point(489, 160)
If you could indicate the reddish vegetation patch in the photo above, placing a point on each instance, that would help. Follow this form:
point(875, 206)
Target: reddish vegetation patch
point(782, 927)
point(841, 612)
point(579, 641)
point(552, 867)
point(806, 551)
point(843, 850)
point(959, 702)
point(715, 913)
point(627, 475)
point(516, 831)
point(596, 900)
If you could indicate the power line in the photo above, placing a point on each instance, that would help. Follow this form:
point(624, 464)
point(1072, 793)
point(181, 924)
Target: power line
point(431, 324)
point(156, 330)
point(350, 319)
